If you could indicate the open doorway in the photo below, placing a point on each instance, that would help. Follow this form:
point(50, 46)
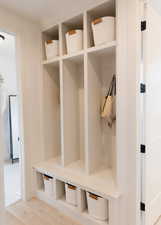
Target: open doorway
point(11, 122)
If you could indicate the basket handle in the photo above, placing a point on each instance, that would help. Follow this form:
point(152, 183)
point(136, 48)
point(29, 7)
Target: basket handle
point(93, 196)
point(71, 32)
point(49, 42)
point(96, 21)
point(46, 177)
point(71, 187)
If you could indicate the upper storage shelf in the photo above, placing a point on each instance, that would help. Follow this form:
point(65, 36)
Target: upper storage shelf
point(106, 9)
point(71, 25)
point(103, 50)
point(49, 35)
point(82, 22)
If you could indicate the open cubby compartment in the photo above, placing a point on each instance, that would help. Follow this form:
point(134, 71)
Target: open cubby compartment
point(105, 9)
point(52, 133)
point(101, 138)
point(50, 34)
point(57, 186)
point(97, 207)
point(74, 23)
point(75, 197)
point(73, 112)
point(82, 200)
point(60, 190)
point(39, 181)
point(71, 192)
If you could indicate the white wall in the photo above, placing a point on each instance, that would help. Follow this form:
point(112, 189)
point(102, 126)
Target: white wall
point(30, 74)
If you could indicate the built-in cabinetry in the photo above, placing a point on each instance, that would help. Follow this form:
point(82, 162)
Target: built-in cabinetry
point(79, 146)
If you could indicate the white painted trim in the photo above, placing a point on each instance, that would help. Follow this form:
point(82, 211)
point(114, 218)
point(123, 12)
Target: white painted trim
point(21, 119)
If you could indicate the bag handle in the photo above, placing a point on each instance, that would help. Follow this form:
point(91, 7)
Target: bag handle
point(111, 90)
point(113, 86)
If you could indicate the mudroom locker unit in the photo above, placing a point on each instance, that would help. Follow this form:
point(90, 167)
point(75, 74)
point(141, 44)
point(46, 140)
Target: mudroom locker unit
point(85, 160)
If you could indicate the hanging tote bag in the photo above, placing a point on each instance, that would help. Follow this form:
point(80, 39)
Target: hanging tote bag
point(108, 109)
point(113, 115)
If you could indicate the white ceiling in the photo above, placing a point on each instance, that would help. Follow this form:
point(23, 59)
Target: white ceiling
point(44, 11)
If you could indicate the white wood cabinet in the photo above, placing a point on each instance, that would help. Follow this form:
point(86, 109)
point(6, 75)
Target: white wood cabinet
point(80, 149)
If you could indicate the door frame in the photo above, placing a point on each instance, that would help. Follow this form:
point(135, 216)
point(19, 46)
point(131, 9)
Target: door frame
point(22, 159)
point(151, 205)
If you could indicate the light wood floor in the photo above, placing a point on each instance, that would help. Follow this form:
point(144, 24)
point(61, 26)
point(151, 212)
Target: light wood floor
point(36, 212)
point(158, 222)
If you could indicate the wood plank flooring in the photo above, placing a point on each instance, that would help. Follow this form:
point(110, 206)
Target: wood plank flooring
point(158, 222)
point(35, 212)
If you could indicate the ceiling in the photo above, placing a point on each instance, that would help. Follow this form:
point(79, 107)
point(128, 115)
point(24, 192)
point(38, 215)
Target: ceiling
point(44, 11)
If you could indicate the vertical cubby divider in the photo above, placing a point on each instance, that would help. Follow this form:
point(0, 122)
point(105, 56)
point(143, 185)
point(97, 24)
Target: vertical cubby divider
point(62, 113)
point(86, 112)
point(59, 189)
point(60, 40)
point(89, 36)
point(82, 201)
point(85, 30)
